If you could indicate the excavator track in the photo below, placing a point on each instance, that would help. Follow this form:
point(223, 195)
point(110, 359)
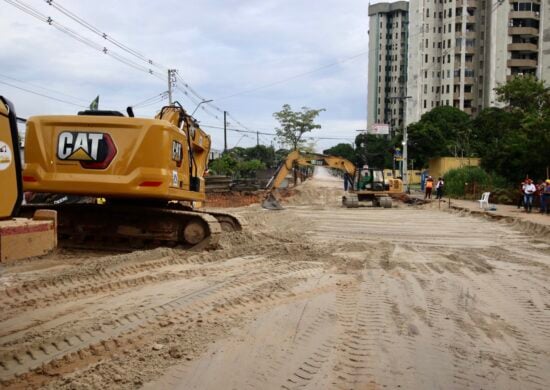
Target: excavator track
point(123, 227)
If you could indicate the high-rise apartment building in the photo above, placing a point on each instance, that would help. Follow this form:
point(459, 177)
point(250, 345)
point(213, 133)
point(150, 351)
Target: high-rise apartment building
point(515, 43)
point(451, 52)
point(460, 50)
point(387, 78)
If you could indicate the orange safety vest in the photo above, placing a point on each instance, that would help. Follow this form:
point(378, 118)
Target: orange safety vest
point(429, 184)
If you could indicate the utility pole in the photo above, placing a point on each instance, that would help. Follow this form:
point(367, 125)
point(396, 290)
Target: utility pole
point(225, 131)
point(171, 83)
point(405, 140)
point(257, 138)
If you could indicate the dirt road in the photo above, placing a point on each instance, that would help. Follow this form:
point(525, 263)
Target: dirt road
point(313, 296)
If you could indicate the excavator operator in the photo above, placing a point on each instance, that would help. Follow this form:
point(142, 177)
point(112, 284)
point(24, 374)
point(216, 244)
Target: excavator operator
point(365, 180)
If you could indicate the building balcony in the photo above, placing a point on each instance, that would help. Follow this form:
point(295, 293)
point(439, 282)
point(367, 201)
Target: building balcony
point(465, 96)
point(469, 3)
point(524, 31)
point(465, 19)
point(467, 34)
point(524, 15)
point(522, 63)
point(468, 110)
point(467, 49)
point(467, 81)
point(525, 47)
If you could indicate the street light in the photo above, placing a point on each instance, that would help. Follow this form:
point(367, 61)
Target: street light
point(198, 105)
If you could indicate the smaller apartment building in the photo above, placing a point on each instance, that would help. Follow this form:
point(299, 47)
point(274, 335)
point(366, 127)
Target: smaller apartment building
point(387, 78)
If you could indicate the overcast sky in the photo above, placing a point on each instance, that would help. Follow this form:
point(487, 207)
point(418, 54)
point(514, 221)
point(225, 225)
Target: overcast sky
point(220, 48)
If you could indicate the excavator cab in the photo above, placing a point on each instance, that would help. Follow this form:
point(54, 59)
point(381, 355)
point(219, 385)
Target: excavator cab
point(370, 179)
point(10, 161)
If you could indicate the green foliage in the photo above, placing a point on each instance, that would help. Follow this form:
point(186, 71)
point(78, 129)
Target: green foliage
point(460, 181)
point(375, 150)
point(514, 141)
point(238, 162)
point(225, 165)
point(342, 150)
point(443, 131)
point(471, 181)
point(294, 124)
point(265, 154)
point(249, 168)
point(523, 93)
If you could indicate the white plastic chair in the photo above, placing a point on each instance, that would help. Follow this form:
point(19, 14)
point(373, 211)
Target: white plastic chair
point(484, 201)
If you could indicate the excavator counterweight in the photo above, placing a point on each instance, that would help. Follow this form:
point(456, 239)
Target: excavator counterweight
point(148, 174)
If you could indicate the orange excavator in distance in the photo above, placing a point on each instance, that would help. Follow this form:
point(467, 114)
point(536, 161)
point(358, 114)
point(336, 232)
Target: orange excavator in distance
point(149, 172)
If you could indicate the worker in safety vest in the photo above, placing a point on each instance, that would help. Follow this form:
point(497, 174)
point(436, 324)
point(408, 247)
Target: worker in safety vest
point(429, 186)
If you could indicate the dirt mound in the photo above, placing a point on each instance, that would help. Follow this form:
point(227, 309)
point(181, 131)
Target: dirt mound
point(322, 190)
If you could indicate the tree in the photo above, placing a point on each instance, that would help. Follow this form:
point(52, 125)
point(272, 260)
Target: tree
point(225, 165)
point(249, 168)
point(265, 154)
point(524, 93)
point(514, 141)
point(374, 150)
point(295, 124)
point(342, 150)
point(442, 131)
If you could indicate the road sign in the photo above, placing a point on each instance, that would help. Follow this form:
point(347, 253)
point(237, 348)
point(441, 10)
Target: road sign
point(379, 129)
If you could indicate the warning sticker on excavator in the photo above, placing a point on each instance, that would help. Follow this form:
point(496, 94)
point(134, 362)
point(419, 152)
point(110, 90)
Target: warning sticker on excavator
point(5, 156)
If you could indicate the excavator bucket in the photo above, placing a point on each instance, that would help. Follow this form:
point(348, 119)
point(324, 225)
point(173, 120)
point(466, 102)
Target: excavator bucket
point(271, 203)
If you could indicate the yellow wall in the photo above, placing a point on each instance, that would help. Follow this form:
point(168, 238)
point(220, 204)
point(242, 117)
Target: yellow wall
point(441, 165)
point(414, 176)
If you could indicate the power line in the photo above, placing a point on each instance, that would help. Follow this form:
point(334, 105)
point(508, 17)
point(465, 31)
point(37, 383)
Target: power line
point(102, 34)
point(73, 34)
point(43, 95)
point(40, 87)
point(146, 101)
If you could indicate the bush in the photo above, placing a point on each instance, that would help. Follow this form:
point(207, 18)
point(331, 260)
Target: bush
point(249, 168)
point(470, 182)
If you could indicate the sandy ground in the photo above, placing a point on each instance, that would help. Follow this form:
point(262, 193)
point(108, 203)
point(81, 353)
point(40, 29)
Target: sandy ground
point(314, 296)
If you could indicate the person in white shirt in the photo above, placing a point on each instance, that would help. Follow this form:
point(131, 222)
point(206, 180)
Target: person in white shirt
point(529, 190)
point(439, 188)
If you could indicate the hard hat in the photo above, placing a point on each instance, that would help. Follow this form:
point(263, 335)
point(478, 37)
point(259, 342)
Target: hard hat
point(548, 181)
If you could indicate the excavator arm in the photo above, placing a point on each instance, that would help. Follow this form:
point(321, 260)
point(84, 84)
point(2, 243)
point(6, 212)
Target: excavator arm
point(296, 159)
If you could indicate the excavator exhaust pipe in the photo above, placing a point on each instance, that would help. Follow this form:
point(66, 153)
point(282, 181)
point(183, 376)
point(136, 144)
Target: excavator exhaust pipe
point(271, 203)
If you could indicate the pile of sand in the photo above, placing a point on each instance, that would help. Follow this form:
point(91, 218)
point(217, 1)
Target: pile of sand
point(324, 189)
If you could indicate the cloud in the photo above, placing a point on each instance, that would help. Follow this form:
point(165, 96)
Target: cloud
point(219, 47)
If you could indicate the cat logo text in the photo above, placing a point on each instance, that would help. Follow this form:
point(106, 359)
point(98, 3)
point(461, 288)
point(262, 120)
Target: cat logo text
point(92, 150)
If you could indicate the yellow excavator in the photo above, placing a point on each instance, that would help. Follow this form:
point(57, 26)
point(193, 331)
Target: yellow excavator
point(149, 174)
point(11, 194)
point(365, 185)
